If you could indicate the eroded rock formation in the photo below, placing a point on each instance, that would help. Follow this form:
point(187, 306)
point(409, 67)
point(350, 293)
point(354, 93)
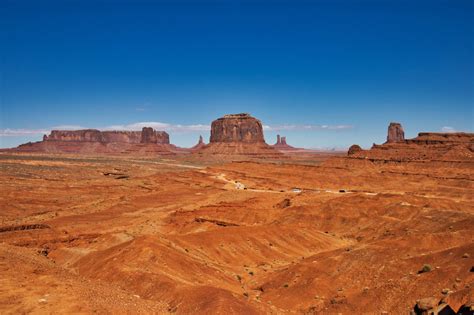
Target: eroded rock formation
point(395, 133)
point(430, 146)
point(282, 145)
point(147, 141)
point(237, 128)
point(238, 134)
point(199, 145)
point(147, 135)
point(354, 149)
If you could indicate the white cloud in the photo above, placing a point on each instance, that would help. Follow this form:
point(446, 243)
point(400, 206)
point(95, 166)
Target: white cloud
point(166, 127)
point(448, 129)
point(68, 127)
point(287, 127)
point(159, 126)
point(22, 132)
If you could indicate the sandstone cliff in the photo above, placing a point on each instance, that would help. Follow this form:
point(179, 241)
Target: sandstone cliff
point(238, 134)
point(395, 133)
point(237, 128)
point(427, 146)
point(91, 141)
point(147, 135)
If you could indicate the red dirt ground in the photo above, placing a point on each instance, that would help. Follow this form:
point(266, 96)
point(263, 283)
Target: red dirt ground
point(316, 234)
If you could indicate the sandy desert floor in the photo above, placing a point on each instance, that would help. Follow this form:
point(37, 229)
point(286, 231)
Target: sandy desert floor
point(82, 234)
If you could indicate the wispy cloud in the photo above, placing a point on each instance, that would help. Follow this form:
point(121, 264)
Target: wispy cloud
point(22, 132)
point(68, 127)
point(448, 129)
point(166, 127)
point(130, 127)
point(287, 127)
point(159, 126)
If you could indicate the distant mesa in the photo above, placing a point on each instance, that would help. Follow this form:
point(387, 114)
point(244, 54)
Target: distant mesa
point(147, 141)
point(395, 133)
point(282, 145)
point(147, 135)
point(430, 146)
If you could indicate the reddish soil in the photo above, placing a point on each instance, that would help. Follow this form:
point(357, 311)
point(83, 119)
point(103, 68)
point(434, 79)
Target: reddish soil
point(190, 234)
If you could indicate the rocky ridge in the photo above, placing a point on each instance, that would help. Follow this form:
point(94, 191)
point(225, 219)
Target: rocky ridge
point(427, 146)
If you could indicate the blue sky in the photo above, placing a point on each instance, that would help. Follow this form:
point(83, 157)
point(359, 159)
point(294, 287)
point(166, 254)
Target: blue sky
point(343, 68)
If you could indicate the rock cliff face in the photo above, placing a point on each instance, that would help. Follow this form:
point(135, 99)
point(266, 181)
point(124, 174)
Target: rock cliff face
point(92, 141)
point(237, 135)
point(236, 128)
point(395, 133)
point(427, 146)
point(147, 135)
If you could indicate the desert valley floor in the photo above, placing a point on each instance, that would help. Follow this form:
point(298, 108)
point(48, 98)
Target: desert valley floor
point(84, 234)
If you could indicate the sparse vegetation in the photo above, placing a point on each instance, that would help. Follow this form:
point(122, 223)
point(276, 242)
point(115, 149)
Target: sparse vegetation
point(425, 268)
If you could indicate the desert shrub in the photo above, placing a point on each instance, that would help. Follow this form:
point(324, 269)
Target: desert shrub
point(426, 268)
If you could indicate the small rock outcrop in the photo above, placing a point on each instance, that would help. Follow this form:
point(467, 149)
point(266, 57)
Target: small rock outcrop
point(237, 128)
point(395, 133)
point(354, 149)
point(424, 305)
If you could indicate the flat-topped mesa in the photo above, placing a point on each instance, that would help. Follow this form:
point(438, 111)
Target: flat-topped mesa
point(147, 135)
point(395, 133)
point(237, 128)
point(443, 138)
point(427, 146)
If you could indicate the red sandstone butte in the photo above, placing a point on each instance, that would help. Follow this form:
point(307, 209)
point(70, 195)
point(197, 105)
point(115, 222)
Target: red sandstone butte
point(237, 128)
point(238, 134)
point(395, 133)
